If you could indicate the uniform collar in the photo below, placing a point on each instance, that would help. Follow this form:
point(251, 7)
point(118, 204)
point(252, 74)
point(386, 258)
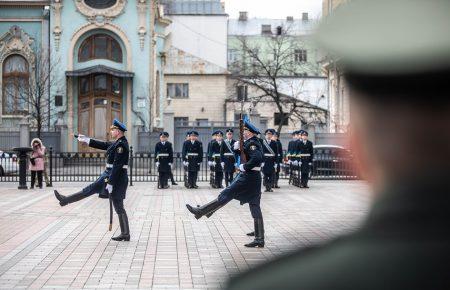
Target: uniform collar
point(419, 204)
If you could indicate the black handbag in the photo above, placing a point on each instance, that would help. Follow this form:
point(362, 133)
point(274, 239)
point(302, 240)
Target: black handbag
point(32, 161)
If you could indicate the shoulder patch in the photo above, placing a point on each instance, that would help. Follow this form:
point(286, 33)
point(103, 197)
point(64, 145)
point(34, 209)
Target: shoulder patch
point(120, 149)
point(253, 147)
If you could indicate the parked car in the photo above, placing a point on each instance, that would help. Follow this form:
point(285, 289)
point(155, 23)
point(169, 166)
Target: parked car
point(333, 161)
point(8, 163)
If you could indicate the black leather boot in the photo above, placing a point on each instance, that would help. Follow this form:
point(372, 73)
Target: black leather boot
point(124, 229)
point(206, 209)
point(258, 242)
point(65, 200)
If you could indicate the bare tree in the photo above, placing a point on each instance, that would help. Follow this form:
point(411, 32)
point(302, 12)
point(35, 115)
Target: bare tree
point(35, 94)
point(270, 68)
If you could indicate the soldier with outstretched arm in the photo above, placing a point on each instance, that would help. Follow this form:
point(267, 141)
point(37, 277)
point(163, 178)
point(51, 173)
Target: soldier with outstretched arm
point(113, 182)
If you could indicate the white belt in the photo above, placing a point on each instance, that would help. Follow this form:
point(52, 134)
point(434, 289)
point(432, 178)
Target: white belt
point(162, 155)
point(256, 168)
point(192, 154)
point(228, 154)
point(304, 155)
point(216, 155)
point(111, 166)
point(270, 155)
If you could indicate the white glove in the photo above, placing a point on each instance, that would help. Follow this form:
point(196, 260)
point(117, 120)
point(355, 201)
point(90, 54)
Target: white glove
point(170, 164)
point(241, 168)
point(214, 163)
point(262, 164)
point(109, 188)
point(295, 163)
point(83, 139)
point(309, 163)
point(275, 166)
point(236, 145)
point(157, 164)
point(210, 163)
point(289, 162)
point(222, 164)
point(185, 163)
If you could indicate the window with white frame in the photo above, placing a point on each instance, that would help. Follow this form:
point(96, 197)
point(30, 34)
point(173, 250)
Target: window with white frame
point(300, 55)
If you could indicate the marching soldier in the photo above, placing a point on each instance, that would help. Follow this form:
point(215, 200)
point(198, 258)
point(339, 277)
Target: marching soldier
point(246, 188)
point(276, 138)
point(215, 161)
point(192, 157)
point(113, 182)
point(164, 159)
point(306, 157)
point(227, 157)
point(270, 157)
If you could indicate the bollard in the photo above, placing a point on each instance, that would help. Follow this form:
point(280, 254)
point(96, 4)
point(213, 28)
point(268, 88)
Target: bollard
point(22, 154)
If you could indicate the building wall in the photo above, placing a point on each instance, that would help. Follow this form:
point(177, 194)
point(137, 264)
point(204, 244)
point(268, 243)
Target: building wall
point(329, 5)
point(314, 89)
point(32, 22)
point(338, 89)
point(204, 36)
point(206, 100)
point(136, 50)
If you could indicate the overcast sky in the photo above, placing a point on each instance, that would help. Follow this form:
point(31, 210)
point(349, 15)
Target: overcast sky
point(274, 9)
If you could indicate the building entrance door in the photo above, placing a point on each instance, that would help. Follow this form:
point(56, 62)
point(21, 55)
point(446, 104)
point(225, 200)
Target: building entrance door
point(99, 102)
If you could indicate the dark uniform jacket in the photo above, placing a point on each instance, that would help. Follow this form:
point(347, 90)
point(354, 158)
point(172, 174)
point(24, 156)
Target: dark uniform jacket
point(117, 155)
point(304, 150)
point(270, 155)
point(246, 187)
point(193, 153)
point(404, 244)
point(292, 150)
point(279, 151)
point(214, 154)
point(164, 155)
point(227, 155)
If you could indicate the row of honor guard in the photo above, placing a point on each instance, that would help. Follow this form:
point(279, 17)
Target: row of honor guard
point(222, 159)
point(299, 157)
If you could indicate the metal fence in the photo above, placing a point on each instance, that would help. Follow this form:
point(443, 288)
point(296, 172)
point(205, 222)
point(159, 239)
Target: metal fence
point(87, 166)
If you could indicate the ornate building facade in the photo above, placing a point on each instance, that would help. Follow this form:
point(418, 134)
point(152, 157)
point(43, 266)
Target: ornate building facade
point(104, 62)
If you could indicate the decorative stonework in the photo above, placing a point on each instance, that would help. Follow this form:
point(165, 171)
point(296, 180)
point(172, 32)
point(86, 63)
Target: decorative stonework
point(142, 30)
point(57, 30)
point(16, 41)
point(100, 17)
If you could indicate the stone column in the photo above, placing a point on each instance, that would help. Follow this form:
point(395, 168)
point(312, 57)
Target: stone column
point(24, 130)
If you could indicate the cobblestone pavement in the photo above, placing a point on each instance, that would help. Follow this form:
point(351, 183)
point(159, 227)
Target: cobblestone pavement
point(43, 245)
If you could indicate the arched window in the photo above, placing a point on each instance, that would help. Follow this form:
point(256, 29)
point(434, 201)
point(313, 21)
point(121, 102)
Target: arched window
point(100, 46)
point(15, 84)
point(100, 4)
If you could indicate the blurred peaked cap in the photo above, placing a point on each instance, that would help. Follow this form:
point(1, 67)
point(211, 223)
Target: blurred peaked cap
point(385, 37)
point(249, 126)
point(164, 134)
point(194, 133)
